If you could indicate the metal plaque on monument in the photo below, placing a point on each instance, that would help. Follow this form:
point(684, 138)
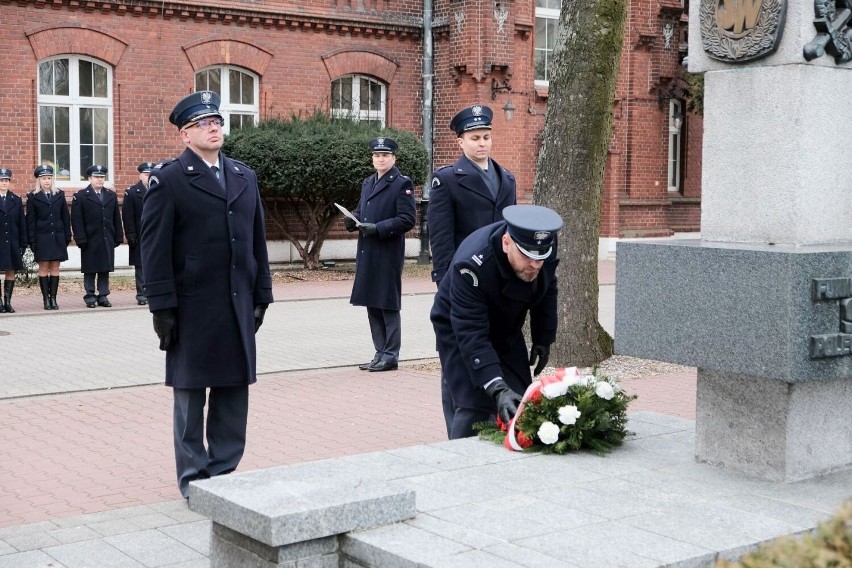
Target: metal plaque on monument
point(762, 303)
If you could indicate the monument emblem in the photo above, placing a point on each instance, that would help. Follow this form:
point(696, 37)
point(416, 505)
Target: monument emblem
point(736, 31)
point(833, 22)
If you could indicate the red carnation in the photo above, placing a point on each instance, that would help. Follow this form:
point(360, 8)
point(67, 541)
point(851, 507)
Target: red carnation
point(524, 441)
point(502, 425)
point(535, 397)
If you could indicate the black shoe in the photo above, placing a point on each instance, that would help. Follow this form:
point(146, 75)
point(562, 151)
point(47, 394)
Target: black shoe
point(383, 366)
point(365, 366)
point(105, 304)
point(142, 302)
point(90, 305)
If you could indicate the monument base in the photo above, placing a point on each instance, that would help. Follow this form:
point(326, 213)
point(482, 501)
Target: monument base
point(772, 429)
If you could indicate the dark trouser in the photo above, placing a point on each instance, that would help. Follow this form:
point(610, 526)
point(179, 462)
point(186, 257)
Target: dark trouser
point(140, 294)
point(227, 414)
point(460, 421)
point(385, 327)
point(102, 288)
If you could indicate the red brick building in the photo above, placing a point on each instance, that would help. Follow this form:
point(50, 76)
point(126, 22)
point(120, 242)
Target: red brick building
point(93, 82)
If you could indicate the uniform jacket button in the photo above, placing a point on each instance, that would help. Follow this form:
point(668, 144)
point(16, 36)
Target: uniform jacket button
point(476, 361)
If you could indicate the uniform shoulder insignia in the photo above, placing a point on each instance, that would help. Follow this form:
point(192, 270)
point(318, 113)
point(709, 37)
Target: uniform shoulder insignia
point(153, 181)
point(470, 274)
point(165, 163)
point(240, 163)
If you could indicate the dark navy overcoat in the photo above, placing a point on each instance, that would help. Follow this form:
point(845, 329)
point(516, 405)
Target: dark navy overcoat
point(460, 203)
point(131, 214)
point(389, 203)
point(48, 225)
point(479, 314)
point(13, 232)
point(97, 226)
point(204, 254)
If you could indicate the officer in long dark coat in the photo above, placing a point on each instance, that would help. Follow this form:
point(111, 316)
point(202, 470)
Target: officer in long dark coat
point(208, 286)
point(499, 274)
point(386, 212)
point(469, 194)
point(131, 214)
point(48, 231)
point(13, 237)
point(96, 222)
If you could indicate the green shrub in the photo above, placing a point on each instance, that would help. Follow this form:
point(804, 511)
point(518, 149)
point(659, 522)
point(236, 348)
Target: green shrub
point(830, 546)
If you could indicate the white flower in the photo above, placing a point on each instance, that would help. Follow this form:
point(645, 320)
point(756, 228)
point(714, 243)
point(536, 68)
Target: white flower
point(588, 380)
point(569, 414)
point(604, 390)
point(554, 390)
point(548, 433)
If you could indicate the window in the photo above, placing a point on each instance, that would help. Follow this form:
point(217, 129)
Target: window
point(359, 98)
point(238, 91)
point(675, 130)
point(546, 23)
point(74, 116)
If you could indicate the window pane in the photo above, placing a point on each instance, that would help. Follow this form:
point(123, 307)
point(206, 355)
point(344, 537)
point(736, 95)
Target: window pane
point(248, 89)
point(62, 167)
point(86, 127)
point(101, 128)
point(86, 86)
point(552, 27)
point(548, 4)
point(540, 33)
point(47, 154)
point(60, 77)
point(87, 158)
point(45, 78)
point(234, 85)
point(201, 81)
point(214, 81)
point(540, 65)
point(101, 154)
point(341, 90)
point(46, 124)
point(62, 128)
point(100, 80)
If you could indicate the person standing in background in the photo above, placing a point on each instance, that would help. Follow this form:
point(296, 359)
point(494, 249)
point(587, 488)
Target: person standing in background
point(96, 223)
point(48, 232)
point(386, 212)
point(13, 237)
point(131, 213)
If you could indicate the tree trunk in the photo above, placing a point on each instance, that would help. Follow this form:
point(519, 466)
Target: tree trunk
point(571, 165)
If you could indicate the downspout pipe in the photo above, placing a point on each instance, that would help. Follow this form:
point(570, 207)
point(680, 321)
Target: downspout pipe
point(428, 84)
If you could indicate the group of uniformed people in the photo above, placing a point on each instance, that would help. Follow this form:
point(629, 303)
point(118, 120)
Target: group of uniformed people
point(494, 263)
point(47, 228)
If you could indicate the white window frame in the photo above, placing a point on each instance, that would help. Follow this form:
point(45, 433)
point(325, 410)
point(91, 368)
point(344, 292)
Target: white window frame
point(355, 113)
point(74, 102)
point(546, 14)
point(676, 115)
point(226, 107)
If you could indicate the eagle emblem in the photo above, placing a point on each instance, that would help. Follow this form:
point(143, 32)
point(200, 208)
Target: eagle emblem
point(476, 110)
point(206, 97)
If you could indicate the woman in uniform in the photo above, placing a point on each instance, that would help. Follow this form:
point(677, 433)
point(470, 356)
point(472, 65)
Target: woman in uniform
point(13, 237)
point(48, 231)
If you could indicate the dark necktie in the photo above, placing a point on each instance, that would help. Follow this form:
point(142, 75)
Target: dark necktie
point(219, 177)
point(100, 196)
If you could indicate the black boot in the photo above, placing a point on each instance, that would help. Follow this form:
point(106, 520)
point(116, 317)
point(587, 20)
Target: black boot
point(54, 288)
point(8, 287)
point(44, 284)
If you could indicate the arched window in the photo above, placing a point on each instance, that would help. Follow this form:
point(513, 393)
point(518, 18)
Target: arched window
point(74, 116)
point(676, 117)
point(360, 98)
point(546, 24)
point(238, 89)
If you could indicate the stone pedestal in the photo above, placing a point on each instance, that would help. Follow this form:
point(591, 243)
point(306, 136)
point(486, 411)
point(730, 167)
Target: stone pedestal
point(762, 304)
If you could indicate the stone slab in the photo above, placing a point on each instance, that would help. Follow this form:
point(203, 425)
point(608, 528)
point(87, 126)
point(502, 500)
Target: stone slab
point(775, 156)
point(276, 509)
point(744, 309)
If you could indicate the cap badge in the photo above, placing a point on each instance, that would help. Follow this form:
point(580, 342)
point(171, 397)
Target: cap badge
point(380, 141)
point(99, 168)
point(476, 110)
point(206, 97)
point(541, 235)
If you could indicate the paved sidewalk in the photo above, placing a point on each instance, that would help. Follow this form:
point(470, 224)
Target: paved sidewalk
point(87, 476)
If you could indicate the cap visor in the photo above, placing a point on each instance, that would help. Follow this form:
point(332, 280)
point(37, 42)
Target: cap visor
point(535, 254)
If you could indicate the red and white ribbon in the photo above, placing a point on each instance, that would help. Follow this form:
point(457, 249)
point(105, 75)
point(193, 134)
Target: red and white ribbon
point(561, 375)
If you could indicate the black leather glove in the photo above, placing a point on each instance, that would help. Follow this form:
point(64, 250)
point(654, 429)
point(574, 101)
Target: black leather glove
point(368, 229)
point(82, 245)
point(259, 314)
point(542, 353)
point(165, 325)
point(507, 400)
point(132, 241)
point(349, 224)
